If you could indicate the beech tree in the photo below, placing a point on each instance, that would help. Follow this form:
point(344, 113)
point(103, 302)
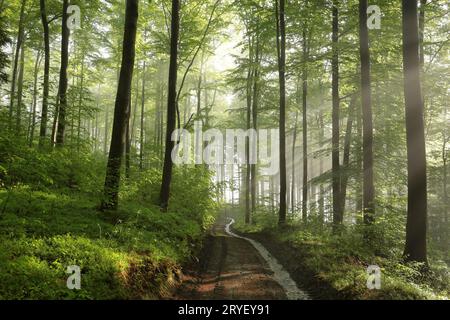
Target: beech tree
point(171, 106)
point(416, 226)
point(121, 109)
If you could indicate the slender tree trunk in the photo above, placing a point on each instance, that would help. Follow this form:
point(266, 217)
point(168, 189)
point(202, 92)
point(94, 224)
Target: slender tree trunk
point(255, 107)
point(359, 162)
point(416, 227)
point(44, 112)
point(347, 146)
point(322, 189)
point(35, 93)
point(305, 127)
point(128, 149)
point(423, 4)
point(250, 73)
point(141, 143)
point(122, 108)
point(171, 106)
point(105, 142)
point(65, 34)
point(445, 192)
point(20, 91)
point(294, 142)
point(20, 38)
point(80, 104)
point(337, 214)
point(366, 99)
point(281, 48)
point(135, 108)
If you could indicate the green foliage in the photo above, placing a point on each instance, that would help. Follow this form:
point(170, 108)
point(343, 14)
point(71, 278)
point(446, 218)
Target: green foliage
point(49, 221)
point(340, 261)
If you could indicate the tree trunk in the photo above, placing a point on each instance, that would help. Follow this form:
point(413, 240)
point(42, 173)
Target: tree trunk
point(80, 104)
point(20, 91)
point(423, 3)
point(135, 108)
point(281, 48)
point(445, 192)
point(255, 107)
point(347, 145)
point(247, 143)
point(62, 91)
point(122, 108)
point(294, 142)
point(359, 162)
point(35, 93)
point(322, 189)
point(416, 227)
point(141, 140)
point(366, 100)
point(20, 38)
point(337, 214)
point(44, 112)
point(171, 106)
point(128, 148)
point(305, 127)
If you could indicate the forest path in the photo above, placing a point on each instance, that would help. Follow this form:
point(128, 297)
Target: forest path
point(232, 268)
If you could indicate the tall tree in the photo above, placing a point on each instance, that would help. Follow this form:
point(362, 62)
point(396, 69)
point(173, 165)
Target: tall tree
point(141, 137)
point(255, 107)
point(281, 50)
point(337, 213)
point(20, 90)
point(62, 91)
point(416, 226)
point(122, 108)
point(248, 175)
point(171, 106)
point(19, 43)
point(305, 124)
point(44, 111)
point(366, 99)
point(32, 124)
point(423, 4)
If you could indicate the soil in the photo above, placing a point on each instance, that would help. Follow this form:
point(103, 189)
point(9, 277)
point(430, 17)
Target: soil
point(229, 268)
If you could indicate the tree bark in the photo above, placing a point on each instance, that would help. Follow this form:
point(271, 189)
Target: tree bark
point(366, 99)
point(255, 107)
point(322, 189)
point(20, 38)
point(305, 126)
point(20, 90)
point(247, 143)
point(416, 227)
point(122, 108)
point(281, 48)
point(171, 106)
point(337, 214)
point(35, 93)
point(294, 142)
point(62, 91)
point(347, 146)
point(423, 3)
point(141, 138)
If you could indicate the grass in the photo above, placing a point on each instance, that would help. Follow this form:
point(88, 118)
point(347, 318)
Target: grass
point(335, 266)
point(134, 253)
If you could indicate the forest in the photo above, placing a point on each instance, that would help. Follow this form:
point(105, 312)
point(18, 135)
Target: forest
point(224, 149)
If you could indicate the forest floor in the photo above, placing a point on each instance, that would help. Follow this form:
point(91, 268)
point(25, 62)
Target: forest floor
point(229, 268)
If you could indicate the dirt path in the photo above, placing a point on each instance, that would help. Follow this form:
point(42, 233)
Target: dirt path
point(231, 268)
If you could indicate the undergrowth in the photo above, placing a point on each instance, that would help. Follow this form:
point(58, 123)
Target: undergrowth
point(340, 261)
point(49, 221)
